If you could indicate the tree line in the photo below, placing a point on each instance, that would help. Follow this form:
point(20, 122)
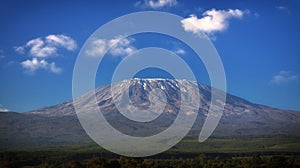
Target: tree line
point(200, 161)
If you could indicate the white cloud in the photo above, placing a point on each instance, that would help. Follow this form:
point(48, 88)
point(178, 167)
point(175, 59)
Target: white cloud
point(34, 64)
point(39, 49)
point(118, 46)
point(161, 3)
point(212, 21)
point(180, 51)
point(42, 48)
point(20, 49)
point(47, 46)
point(284, 77)
point(3, 109)
point(53, 68)
point(155, 4)
point(283, 8)
point(121, 46)
point(62, 40)
point(96, 47)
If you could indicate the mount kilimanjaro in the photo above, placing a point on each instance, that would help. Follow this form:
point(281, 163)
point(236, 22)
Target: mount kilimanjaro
point(58, 124)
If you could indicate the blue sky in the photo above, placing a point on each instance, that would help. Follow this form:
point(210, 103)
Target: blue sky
point(257, 42)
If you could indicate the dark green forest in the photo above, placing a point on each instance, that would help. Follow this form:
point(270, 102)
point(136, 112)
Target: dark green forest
point(200, 161)
point(222, 152)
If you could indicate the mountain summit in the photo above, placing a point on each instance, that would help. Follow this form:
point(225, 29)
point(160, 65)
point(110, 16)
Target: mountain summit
point(240, 117)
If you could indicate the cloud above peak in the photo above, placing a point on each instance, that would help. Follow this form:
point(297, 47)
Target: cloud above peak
point(211, 21)
point(42, 48)
point(118, 46)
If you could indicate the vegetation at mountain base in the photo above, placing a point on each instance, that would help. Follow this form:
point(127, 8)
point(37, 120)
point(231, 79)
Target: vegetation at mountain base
point(248, 153)
point(200, 161)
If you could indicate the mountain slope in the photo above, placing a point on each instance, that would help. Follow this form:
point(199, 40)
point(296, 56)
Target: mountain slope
point(18, 130)
point(236, 109)
point(59, 125)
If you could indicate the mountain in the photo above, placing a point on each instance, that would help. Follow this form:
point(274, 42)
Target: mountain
point(58, 124)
